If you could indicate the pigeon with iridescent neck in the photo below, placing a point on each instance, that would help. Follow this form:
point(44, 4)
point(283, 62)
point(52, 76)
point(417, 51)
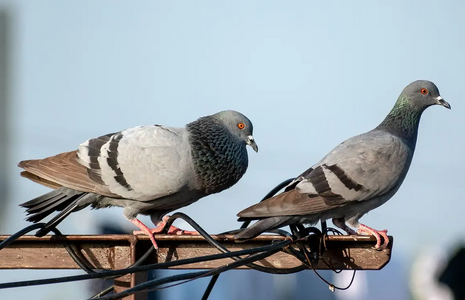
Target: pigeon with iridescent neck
point(357, 176)
point(150, 170)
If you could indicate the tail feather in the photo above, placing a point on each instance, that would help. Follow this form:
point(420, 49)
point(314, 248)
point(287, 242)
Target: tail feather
point(261, 226)
point(42, 206)
point(38, 213)
point(59, 217)
point(45, 204)
point(41, 199)
point(63, 199)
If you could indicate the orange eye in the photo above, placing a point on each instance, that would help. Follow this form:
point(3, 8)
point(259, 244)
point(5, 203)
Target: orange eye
point(241, 125)
point(424, 91)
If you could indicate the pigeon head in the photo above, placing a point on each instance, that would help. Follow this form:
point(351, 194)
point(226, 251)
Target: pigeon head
point(219, 153)
point(239, 125)
point(419, 95)
point(404, 118)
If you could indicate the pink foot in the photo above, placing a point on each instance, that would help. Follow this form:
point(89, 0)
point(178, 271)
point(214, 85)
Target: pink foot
point(144, 230)
point(160, 226)
point(377, 233)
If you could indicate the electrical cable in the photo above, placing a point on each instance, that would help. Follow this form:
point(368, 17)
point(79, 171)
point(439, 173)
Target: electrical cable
point(118, 273)
point(300, 234)
point(196, 275)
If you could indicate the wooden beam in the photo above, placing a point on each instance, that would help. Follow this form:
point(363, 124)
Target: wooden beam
point(117, 251)
point(120, 251)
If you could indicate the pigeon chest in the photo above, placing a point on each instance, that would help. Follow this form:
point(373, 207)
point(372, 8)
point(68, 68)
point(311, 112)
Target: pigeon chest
point(219, 166)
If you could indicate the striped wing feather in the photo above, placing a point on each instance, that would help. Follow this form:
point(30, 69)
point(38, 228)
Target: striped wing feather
point(290, 203)
point(359, 169)
point(63, 170)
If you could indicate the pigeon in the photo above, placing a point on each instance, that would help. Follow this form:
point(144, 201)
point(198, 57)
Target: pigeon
point(357, 176)
point(150, 170)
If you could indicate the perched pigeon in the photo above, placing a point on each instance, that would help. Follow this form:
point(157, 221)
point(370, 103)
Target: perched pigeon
point(148, 170)
point(357, 176)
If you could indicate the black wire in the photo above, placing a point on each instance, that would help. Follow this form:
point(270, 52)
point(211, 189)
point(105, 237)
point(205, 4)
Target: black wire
point(267, 251)
point(20, 233)
point(304, 256)
point(158, 281)
point(35, 226)
point(221, 248)
point(155, 266)
point(80, 260)
point(260, 252)
point(245, 261)
point(196, 275)
point(84, 264)
point(214, 243)
point(210, 286)
point(297, 230)
point(103, 293)
point(217, 245)
point(139, 262)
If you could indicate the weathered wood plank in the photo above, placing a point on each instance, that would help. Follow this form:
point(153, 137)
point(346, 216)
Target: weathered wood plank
point(118, 251)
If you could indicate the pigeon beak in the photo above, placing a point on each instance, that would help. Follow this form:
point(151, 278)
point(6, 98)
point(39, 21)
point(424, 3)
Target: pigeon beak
point(251, 143)
point(442, 102)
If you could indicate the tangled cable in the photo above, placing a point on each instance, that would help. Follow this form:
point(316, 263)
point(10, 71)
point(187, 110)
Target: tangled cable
point(306, 251)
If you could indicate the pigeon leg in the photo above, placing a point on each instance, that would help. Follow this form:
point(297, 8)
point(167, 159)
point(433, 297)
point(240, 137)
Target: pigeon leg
point(377, 233)
point(340, 222)
point(161, 225)
point(144, 230)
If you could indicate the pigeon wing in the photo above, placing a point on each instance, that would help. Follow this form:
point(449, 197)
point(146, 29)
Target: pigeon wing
point(62, 170)
point(141, 163)
point(361, 168)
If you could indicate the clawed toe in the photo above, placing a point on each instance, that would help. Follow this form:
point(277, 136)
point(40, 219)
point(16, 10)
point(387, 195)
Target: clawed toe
point(377, 234)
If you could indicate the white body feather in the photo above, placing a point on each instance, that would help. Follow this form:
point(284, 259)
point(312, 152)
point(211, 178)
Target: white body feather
point(155, 160)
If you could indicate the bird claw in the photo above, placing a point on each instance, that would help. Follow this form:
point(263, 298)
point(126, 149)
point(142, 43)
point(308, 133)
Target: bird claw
point(161, 226)
point(158, 229)
point(144, 230)
point(377, 234)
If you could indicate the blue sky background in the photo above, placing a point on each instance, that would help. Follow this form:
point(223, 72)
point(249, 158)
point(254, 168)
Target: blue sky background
point(308, 74)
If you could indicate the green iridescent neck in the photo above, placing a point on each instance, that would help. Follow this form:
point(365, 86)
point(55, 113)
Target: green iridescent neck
point(403, 121)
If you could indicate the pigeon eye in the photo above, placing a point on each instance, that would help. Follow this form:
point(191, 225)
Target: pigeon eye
point(424, 91)
point(241, 125)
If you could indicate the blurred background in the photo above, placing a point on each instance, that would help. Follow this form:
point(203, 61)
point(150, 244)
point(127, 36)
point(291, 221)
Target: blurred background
point(308, 74)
